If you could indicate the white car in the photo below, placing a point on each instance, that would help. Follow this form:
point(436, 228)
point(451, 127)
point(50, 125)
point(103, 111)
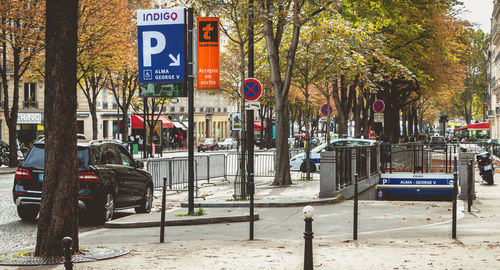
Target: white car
point(227, 143)
point(297, 162)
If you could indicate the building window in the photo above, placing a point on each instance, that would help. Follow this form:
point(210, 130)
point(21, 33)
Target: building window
point(219, 109)
point(105, 133)
point(225, 109)
point(115, 103)
point(30, 96)
point(104, 99)
point(79, 127)
point(172, 109)
point(182, 109)
point(201, 109)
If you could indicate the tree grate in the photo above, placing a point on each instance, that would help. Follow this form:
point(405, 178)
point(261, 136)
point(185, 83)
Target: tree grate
point(88, 255)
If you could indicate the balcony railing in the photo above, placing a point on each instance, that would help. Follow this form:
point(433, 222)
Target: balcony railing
point(30, 104)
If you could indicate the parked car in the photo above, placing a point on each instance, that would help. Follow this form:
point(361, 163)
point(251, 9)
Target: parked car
point(314, 141)
point(208, 144)
point(227, 143)
point(110, 179)
point(437, 142)
point(297, 162)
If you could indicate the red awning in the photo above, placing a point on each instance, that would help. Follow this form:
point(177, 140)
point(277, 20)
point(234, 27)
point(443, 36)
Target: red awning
point(460, 128)
point(138, 121)
point(479, 126)
point(257, 126)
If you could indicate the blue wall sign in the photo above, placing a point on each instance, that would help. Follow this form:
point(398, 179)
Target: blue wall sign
point(161, 39)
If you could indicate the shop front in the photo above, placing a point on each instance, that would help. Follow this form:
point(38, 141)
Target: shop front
point(29, 127)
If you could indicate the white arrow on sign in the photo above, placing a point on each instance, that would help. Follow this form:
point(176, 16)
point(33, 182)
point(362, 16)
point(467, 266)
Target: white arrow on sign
point(176, 61)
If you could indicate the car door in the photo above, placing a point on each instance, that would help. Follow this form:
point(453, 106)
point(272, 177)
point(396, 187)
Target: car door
point(135, 181)
point(110, 167)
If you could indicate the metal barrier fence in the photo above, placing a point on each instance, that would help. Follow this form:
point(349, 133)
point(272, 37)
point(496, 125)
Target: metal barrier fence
point(174, 169)
point(419, 157)
point(264, 164)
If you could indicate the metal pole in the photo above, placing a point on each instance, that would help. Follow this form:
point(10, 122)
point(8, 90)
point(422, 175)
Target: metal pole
point(163, 202)
point(145, 140)
point(454, 212)
point(355, 218)
point(190, 88)
point(308, 249)
point(66, 242)
point(469, 186)
point(250, 119)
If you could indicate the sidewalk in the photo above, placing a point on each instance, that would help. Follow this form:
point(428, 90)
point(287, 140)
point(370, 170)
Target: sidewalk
point(392, 235)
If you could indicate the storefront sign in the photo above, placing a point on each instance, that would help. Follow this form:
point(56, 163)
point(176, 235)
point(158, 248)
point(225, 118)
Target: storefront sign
point(29, 118)
point(208, 53)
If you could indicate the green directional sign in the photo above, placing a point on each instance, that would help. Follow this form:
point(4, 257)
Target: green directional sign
point(169, 90)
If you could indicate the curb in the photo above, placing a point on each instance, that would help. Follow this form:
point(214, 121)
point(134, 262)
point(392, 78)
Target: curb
point(8, 172)
point(335, 200)
point(181, 222)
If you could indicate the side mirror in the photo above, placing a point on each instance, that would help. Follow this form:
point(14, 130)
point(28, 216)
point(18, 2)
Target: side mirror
point(139, 164)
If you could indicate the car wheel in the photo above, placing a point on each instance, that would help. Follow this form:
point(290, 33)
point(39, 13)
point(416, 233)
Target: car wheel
point(28, 212)
point(303, 167)
point(198, 149)
point(147, 201)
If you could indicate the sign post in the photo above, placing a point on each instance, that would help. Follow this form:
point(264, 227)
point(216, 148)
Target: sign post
point(326, 110)
point(165, 54)
point(378, 116)
point(252, 92)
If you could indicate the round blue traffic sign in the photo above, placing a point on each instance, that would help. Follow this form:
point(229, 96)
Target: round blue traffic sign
point(252, 89)
point(378, 106)
point(326, 110)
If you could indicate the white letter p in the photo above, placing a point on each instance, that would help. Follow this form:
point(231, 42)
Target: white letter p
point(147, 50)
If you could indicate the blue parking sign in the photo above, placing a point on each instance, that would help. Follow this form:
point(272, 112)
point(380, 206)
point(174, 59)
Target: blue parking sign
point(161, 39)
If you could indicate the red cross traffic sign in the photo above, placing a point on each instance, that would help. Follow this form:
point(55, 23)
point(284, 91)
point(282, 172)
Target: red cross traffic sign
point(378, 106)
point(252, 89)
point(326, 110)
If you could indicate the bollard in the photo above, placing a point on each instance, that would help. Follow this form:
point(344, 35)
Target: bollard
point(469, 186)
point(163, 202)
point(251, 192)
point(355, 218)
point(66, 242)
point(454, 212)
point(308, 236)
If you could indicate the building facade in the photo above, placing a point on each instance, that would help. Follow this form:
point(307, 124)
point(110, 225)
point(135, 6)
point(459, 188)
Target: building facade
point(211, 118)
point(493, 97)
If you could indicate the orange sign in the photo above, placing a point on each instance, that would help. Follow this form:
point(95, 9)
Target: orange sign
point(208, 53)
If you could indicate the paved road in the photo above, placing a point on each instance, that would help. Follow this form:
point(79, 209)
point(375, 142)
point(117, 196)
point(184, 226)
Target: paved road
point(16, 234)
point(376, 219)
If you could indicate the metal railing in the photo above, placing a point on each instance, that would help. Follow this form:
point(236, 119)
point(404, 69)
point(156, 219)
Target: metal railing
point(174, 169)
point(264, 164)
point(420, 157)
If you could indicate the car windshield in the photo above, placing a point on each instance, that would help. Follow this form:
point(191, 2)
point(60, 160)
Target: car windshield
point(437, 139)
point(207, 140)
point(36, 158)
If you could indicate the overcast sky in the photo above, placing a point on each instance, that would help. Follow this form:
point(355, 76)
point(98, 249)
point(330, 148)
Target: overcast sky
point(480, 13)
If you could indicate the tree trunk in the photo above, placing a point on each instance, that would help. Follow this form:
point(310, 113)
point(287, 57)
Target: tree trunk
point(93, 114)
point(58, 209)
point(282, 174)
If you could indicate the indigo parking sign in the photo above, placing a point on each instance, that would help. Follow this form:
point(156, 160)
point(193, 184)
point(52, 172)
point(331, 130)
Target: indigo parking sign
point(161, 39)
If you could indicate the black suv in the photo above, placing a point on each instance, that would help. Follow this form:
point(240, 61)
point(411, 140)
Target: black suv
point(110, 179)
